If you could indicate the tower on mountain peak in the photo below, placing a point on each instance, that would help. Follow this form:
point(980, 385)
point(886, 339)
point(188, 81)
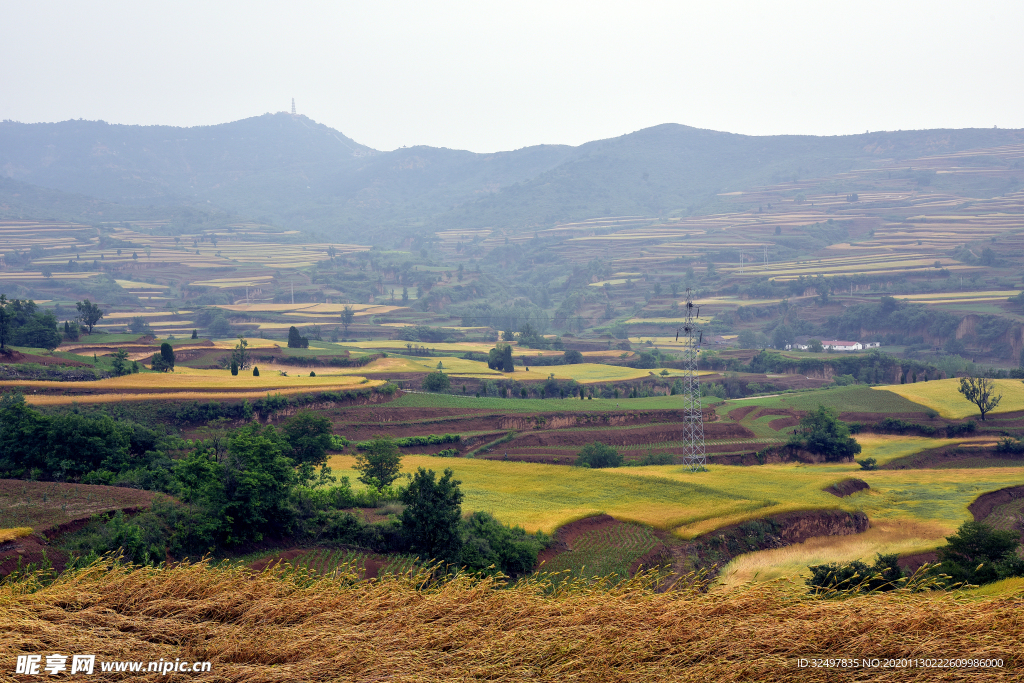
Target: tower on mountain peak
point(293, 106)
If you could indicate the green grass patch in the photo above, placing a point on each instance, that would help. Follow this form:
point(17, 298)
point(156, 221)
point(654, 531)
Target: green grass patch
point(854, 399)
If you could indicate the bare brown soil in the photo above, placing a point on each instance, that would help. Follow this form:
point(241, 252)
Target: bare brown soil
point(629, 437)
point(34, 550)
point(53, 509)
point(983, 505)
point(911, 563)
point(362, 424)
point(44, 505)
point(12, 357)
point(847, 487)
point(737, 414)
point(714, 550)
point(784, 422)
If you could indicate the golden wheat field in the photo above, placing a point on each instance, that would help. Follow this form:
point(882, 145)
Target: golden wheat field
point(942, 396)
point(278, 626)
point(183, 384)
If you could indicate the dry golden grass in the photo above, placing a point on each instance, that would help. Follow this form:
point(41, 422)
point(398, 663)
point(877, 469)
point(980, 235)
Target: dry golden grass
point(271, 626)
point(899, 536)
point(11, 534)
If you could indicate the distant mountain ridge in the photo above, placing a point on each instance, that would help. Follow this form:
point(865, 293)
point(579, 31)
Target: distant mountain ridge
point(295, 172)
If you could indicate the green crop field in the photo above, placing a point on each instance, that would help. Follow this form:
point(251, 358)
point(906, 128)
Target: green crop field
point(843, 399)
point(604, 552)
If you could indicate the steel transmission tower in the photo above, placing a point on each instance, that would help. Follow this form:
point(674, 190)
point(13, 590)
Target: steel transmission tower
point(693, 419)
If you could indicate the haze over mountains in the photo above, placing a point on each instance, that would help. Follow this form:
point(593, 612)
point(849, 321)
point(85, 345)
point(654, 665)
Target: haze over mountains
point(296, 173)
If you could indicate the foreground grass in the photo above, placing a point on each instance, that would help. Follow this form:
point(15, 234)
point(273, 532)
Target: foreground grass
point(275, 626)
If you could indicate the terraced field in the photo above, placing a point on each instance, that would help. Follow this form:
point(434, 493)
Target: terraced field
point(182, 384)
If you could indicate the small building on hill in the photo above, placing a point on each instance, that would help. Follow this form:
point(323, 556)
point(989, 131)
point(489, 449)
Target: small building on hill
point(840, 345)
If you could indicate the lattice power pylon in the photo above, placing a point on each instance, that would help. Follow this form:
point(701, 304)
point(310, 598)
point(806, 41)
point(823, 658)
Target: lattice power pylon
point(694, 454)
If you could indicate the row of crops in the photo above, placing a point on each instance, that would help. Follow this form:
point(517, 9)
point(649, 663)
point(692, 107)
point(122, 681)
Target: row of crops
point(604, 552)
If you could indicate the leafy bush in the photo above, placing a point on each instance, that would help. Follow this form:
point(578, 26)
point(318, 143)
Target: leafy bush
point(436, 381)
point(379, 463)
point(429, 440)
point(431, 521)
point(653, 459)
point(598, 455)
point(339, 443)
point(823, 433)
point(856, 577)
point(977, 554)
point(844, 380)
point(868, 464)
point(488, 546)
point(572, 357)
point(955, 430)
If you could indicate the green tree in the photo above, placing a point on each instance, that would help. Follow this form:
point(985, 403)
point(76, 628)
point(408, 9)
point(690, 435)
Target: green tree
point(257, 485)
point(5, 322)
point(978, 554)
point(431, 521)
point(379, 462)
point(89, 313)
point(597, 455)
point(255, 371)
point(489, 546)
point(822, 432)
point(436, 381)
point(572, 357)
point(815, 346)
point(120, 363)
point(981, 392)
point(348, 314)
point(296, 340)
point(309, 436)
point(195, 334)
point(139, 325)
point(167, 353)
point(240, 355)
point(234, 367)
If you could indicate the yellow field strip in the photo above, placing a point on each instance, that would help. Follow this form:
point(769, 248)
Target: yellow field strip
point(943, 396)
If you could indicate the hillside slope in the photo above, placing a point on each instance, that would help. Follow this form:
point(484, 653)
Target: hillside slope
point(293, 171)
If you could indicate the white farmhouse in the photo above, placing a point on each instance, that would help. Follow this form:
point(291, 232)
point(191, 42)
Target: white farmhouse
point(839, 345)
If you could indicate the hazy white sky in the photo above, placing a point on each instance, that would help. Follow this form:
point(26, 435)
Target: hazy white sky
point(489, 76)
